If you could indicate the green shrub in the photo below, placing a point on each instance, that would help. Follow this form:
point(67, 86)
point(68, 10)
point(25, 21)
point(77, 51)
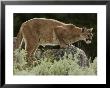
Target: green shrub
point(19, 59)
point(66, 66)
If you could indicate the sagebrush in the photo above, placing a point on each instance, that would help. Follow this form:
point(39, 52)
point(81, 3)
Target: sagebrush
point(50, 66)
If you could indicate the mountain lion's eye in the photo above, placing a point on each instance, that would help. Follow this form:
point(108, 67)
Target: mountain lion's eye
point(88, 35)
point(82, 29)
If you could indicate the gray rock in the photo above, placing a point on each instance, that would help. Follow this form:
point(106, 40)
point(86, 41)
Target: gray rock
point(57, 54)
point(14, 41)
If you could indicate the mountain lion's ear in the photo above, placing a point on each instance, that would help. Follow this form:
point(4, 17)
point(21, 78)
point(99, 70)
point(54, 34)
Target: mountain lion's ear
point(90, 30)
point(83, 29)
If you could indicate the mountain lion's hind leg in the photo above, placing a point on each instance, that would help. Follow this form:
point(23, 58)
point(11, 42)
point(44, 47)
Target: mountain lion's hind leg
point(31, 44)
point(31, 48)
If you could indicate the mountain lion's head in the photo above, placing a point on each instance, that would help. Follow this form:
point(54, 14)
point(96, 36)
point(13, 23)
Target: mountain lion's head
point(87, 35)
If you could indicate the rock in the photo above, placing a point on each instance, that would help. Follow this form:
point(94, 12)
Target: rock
point(57, 54)
point(14, 41)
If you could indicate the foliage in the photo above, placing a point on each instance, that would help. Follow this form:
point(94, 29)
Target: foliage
point(19, 59)
point(46, 66)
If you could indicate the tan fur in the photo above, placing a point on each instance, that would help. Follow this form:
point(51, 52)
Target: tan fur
point(42, 31)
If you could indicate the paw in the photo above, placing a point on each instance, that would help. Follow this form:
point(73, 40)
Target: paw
point(63, 46)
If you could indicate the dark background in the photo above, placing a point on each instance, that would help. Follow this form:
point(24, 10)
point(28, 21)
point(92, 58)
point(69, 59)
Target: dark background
point(88, 20)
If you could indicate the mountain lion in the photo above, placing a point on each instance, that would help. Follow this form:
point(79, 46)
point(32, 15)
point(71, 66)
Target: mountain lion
point(42, 31)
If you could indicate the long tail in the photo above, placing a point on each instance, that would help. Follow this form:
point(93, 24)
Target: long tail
point(19, 39)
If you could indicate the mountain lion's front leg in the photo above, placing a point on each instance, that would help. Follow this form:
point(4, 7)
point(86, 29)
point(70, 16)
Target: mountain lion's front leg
point(58, 31)
point(62, 42)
